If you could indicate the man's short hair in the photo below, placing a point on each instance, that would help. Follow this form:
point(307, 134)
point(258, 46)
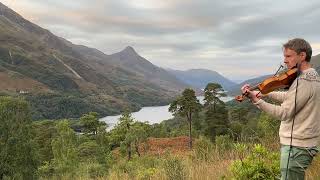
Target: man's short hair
point(299, 45)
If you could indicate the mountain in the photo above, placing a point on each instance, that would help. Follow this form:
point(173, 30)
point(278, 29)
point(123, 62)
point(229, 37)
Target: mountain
point(64, 80)
point(199, 78)
point(133, 62)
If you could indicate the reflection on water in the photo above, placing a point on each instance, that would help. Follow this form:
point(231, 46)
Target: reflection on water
point(153, 114)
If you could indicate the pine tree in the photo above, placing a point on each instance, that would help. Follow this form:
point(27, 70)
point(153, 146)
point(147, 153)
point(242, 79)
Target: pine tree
point(212, 94)
point(216, 113)
point(186, 106)
point(64, 148)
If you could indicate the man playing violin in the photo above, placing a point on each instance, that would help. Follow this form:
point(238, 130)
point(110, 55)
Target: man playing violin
point(299, 111)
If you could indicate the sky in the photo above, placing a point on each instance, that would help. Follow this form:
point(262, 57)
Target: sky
point(238, 39)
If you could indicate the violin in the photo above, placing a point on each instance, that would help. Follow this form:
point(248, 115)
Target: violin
point(270, 84)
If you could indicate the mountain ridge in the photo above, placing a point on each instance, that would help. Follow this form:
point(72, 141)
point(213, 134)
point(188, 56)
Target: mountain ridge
point(75, 74)
point(199, 78)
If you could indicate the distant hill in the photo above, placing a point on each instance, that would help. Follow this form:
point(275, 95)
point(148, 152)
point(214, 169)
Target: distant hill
point(64, 80)
point(201, 77)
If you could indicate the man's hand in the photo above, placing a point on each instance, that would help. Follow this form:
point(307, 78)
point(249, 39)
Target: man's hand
point(253, 95)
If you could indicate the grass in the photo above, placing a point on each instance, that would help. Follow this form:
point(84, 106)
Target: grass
point(313, 172)
point(217, 167)
point(175, 165)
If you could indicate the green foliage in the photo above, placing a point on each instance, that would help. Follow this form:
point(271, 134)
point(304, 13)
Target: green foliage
point(44, 132)
point(91, 123)
point(240, 149)
point(76, 155)
point(203, 149)
point(143, 167)
point(64, 147)
point(223, 143)
point(185, 106)
point(216, 122)
point(170, 128)
point(174, 168)
point(147, 173)
point(212, 93)
point(236, 129)
point(128, 134)
point(122, 127)
point(89, 151)
point(268, 126)
point(46, 170)
point(128, 167)
point(138, 135)
point(216, 115)
point(239, 114)
point(259, 165)
point(103, 140)
point(96, 170)
point(17, 149)
point(250, 131)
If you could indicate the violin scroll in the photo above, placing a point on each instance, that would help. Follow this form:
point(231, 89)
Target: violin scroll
point(239, 98)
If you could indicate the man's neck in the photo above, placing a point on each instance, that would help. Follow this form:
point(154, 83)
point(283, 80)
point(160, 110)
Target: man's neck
point(304, 66)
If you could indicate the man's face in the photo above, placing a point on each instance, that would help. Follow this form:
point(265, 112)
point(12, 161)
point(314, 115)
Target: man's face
point(291, 58)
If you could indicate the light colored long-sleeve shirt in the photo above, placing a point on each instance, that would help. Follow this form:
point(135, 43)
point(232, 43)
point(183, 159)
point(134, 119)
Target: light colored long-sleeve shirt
point(306, 114)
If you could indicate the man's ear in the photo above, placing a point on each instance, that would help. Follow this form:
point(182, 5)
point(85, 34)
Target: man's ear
point(303, 56)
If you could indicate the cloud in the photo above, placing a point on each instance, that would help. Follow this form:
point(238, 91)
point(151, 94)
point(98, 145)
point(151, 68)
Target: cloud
point(239, 39)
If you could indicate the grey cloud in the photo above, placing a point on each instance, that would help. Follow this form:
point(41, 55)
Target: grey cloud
point(216, 34)
point(281, 25)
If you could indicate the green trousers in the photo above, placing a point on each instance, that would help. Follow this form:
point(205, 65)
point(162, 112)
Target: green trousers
point(299, 160)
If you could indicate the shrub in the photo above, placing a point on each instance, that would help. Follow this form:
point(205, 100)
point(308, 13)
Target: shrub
point(240, 150)
point(268, 126)
point(223, 143)
point(147, 173)
point(259, 165)
point(96, 170)
point(18, 153)
point(203, 149)
point(143, 167)
point(46, 170)
point(126, 167)
point(174, 168)
point(90, 151)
